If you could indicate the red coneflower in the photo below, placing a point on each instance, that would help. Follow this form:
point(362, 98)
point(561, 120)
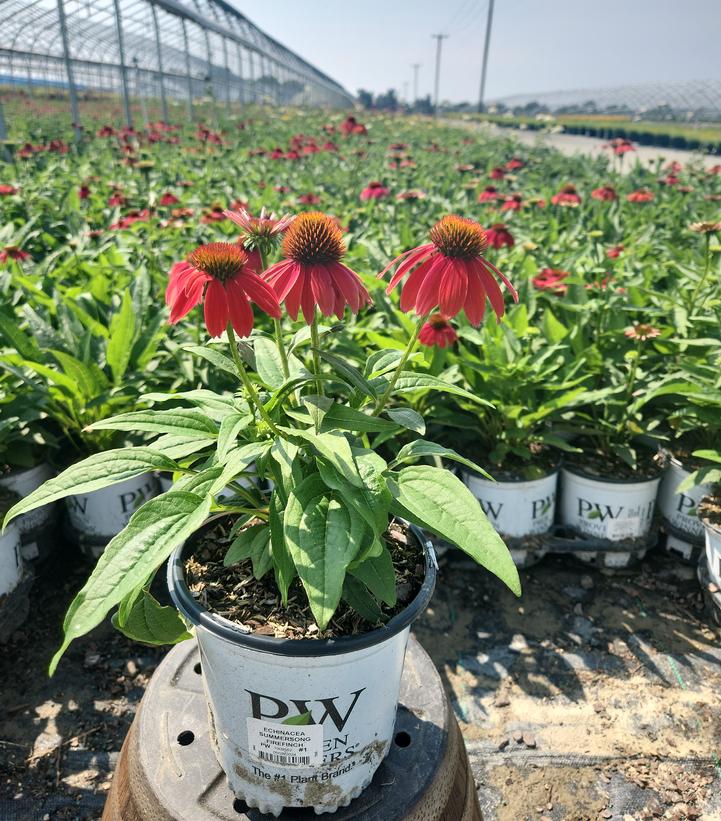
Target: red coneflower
point(168, 199)
point(116, 199)
point(7, 190)
point(13, 252)
point(674, 167)
point(670, 179)
point(567, 196)
point(308, 199)
point(375, 191)
point(614, 252)
point(606, 193)
point(642, 331)
point(497, 173)
point(130, 219)
point(464, 169)
point(499, 236)
point(513, 203)
point(489, 194)
point(450, 272)
point(551, 279)
point(414, 194)
point(642, 195)
point(437, 332)
point(220, 269)
point(264, 227)
point(83, 192)
point(312, 274)
point(514, 164)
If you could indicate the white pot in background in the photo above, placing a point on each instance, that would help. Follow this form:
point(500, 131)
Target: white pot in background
point(101, 514)
point(516, 509)
point(680, 509)
point(713, 552)
point(683, 549)
point(31, 525)
point(607, 509)
point(11, 563)
point(256, 684)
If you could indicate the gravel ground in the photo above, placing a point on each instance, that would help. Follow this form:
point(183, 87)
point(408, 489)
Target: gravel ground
point(595, 696)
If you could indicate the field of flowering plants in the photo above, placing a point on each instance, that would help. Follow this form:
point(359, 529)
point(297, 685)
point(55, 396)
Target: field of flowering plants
point(394, 295)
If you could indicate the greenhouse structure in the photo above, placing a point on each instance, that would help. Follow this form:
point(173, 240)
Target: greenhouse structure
point(173, 52)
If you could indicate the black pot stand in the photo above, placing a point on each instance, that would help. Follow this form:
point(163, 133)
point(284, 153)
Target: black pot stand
point(167, 769)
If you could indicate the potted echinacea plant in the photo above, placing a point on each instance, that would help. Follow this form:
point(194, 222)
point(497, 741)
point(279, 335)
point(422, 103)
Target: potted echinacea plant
point(609, 488)
point(302, 587)
point(530, 384)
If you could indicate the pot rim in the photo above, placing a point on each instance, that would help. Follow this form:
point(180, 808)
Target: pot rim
point(230, 631)
point(576, 471)
point(496, 482)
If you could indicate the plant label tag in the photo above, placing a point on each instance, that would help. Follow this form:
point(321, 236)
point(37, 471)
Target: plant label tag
point(287, 745)
point(629, 528)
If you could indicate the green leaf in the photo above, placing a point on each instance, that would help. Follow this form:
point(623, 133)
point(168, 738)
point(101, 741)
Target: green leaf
point(553, 330)
point(150, 536)
point(409, 381)
point(335, 449)
point(282, 560)
point(322, 539)
point(148, 621)
point(88, 380)
point(217, 359)
point(230, 427)
point(269, 365)
point(407, 418)
point(295, 721)
point(97, 471)
point(379, 576)
point(345, 418)
point(241, 548)
point(357, 595)
point(122, 333)
point(177, 422)
point(350, 374)
point(420, 447)
point(23, 343)
point(438, 501)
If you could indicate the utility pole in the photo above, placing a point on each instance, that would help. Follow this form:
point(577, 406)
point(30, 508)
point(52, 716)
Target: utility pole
point(484, 69)
point(415, 67)
point(439, 38)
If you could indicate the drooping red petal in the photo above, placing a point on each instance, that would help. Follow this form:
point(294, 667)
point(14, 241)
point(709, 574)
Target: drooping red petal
point(452, 291)
point(507, 282)
point(493, 289)
point(239, 310)
point(254, 263)
point(283, 277)
point(323, 290)
point(216, 308)
point(417, 256)
point(475, 304)
point(428, 293)
point(307, 301)
point(409, 292)
point(177, 279)
point(350, 286)
point(292, 299)
point(260, 292)
point(185, 301)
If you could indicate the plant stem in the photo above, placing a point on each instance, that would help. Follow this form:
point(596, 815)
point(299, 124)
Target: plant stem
point(281, 347)
point(630, 382)
point(315, 345)
point(247, 384)
point(383, 401)
point(700, 283)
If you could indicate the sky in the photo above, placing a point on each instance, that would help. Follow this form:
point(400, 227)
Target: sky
point(536, 45)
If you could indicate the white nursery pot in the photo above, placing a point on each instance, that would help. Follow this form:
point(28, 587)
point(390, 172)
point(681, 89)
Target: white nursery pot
point(101, 514)
point(607, 509)
point(11, 563)
point(516, 509)
point(680, 509)
point(24, 482)
point(255, 684)
point(713, 552)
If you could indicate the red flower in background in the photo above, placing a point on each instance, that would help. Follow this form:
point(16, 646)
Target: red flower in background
point(514, 164)
point(497, 173)
point(130, 219)
point(437, 332)
point(116, 199)
point(219, 272)
point(312, 274)
point(308, 199)
point(450, 273)
point(168, 199)
point(551, 279)
point(642, 195)
point(351, 126)
point(375, 191)
point(7, 190)
point(642, 331)
point(567, 196)
point(263, 227)
point(13, 252)
point(620, 146)
point(513, 203)
point(606, 193)
point(415, 194)
point(83, 192)
point(673, 167)
point(614, 252)
point(499, 236)
point(489, 194)
point(670, 179)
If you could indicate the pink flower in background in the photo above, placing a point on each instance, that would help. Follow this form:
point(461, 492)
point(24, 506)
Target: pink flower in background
point(375, 191)
point(489, 194)
point(437, 332)
point(499, 236)
point(567, 196)
point(168, 199)
point(13, 252)
point(642, 195)
point(606, 193)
